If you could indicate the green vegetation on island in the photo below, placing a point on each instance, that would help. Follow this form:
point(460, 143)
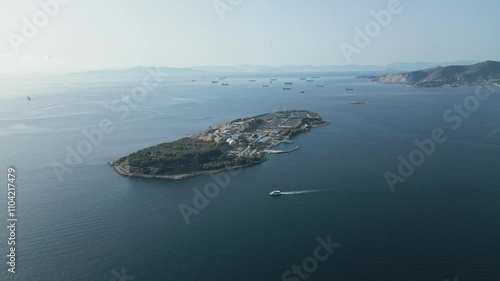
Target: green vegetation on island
point(182, 156)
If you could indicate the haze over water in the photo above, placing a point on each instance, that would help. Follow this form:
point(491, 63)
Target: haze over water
point(440, 223)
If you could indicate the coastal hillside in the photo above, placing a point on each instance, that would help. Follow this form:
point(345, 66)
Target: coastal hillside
point(484, 73)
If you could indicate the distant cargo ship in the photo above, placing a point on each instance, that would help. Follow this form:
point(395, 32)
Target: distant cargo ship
point(252, 80)
point(288, 83)
point(286, 89)
point(215, 82)
point(309, 80)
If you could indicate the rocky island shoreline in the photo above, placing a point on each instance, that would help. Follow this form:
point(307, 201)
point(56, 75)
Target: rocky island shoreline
point(239, 143)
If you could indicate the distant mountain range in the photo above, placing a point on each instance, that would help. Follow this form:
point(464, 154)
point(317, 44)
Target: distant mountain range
point(145, 70)
point(326, 68)
point(394, 67)
point(484, 73)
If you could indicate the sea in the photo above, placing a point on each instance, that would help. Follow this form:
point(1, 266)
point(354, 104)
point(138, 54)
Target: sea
point(405, 186)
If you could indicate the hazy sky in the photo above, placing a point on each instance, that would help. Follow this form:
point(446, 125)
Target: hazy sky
point(93, 34)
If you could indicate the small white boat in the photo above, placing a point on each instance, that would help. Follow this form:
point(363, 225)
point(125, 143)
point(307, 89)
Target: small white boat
point(275, 193)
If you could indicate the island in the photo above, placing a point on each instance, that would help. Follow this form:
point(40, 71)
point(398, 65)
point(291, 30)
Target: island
point(486, 73)
point(239, 143)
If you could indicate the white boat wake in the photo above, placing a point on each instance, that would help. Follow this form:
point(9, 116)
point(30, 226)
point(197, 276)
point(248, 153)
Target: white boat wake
point(300, 192)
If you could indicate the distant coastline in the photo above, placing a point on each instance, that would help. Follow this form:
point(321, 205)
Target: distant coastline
point(486, 73)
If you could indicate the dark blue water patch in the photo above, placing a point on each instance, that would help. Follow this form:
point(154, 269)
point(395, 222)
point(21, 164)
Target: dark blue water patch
point(440, 223)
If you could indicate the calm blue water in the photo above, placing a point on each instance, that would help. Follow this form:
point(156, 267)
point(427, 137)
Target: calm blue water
point(440, 223)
